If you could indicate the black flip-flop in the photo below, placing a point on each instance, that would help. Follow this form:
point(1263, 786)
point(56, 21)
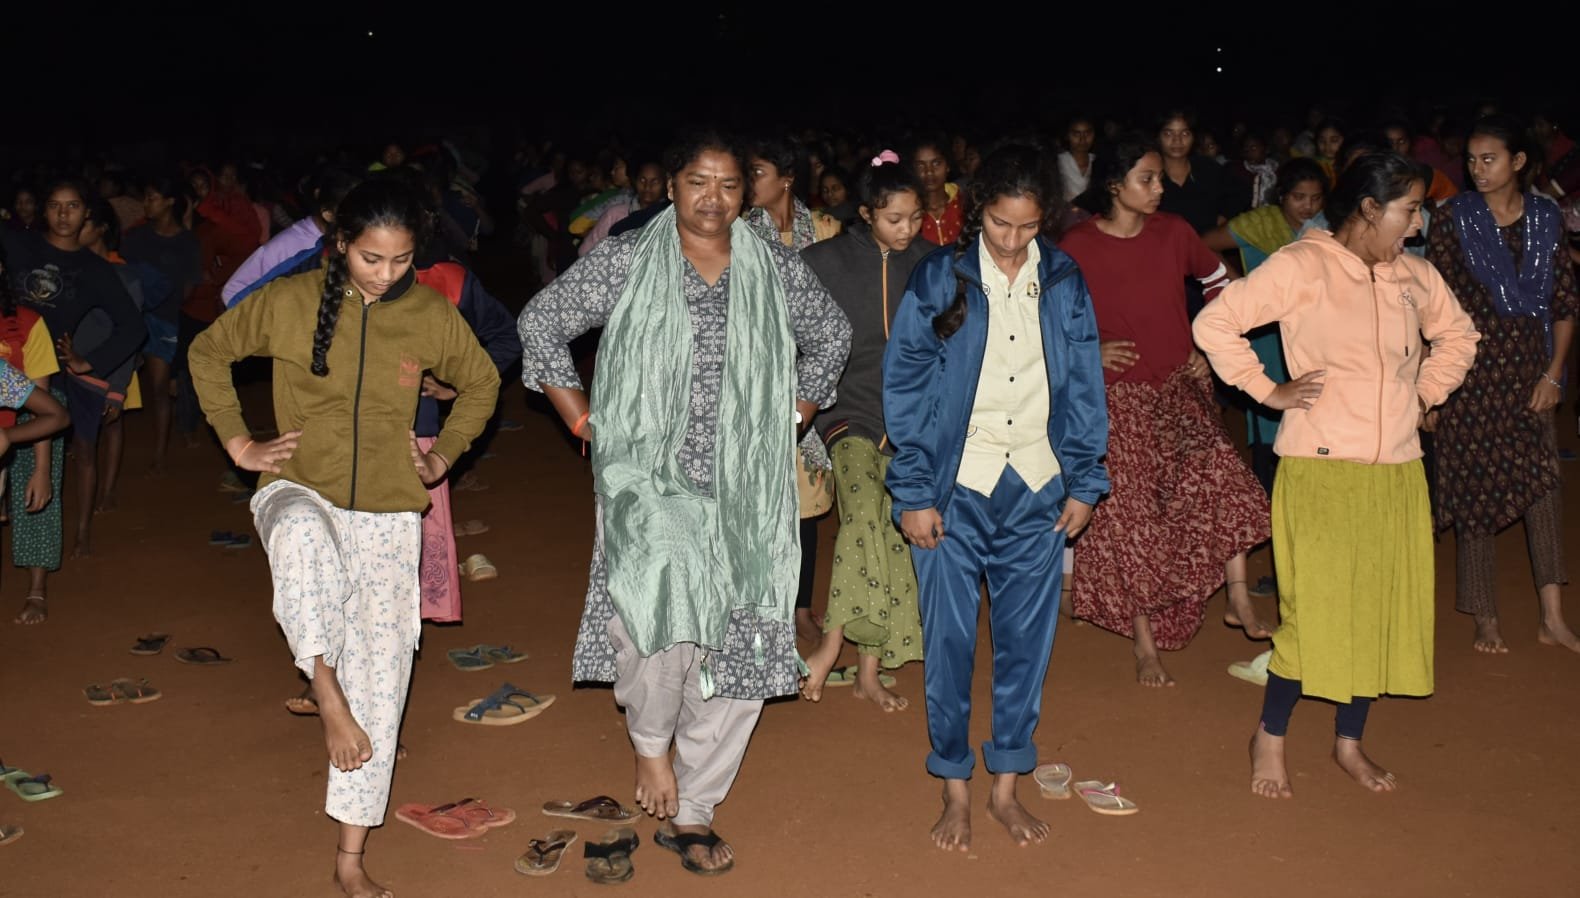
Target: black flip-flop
point(202, 655)
point(609, 859)
point(681, 842)
point(152, 644)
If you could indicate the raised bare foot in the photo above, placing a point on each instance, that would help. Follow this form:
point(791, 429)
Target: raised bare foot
point(656, 789)
point(35, 610)
point(806, 628)
point(1269, 775)
point(1241, 613)
point(821, 664)
point(1488, 640)
point(400, 751)
point(952, 832)
point(1347, 753)
point(1150, 671)
point(1558, 633)
point(349, 746)
point(353, 879)
point(869, 685)
point(719, 857)
point(1005, 807)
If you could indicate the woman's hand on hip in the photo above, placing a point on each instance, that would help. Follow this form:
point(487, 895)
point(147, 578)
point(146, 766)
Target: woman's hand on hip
point(431, 466)
point(265, 457)
point(1119, 355)
point(1302, 392)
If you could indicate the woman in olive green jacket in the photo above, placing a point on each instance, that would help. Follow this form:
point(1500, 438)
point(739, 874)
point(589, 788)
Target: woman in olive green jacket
point(343, 485)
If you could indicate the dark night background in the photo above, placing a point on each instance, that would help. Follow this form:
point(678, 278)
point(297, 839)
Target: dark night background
point(292, 77)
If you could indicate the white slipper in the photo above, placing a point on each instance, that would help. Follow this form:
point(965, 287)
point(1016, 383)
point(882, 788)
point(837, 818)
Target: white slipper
point(1253, 671)
point(1054, 780)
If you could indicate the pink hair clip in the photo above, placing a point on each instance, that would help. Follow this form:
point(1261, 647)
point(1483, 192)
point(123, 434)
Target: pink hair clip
point(886, 156)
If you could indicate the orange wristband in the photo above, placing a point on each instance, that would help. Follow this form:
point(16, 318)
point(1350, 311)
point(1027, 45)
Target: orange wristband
point(580, 422)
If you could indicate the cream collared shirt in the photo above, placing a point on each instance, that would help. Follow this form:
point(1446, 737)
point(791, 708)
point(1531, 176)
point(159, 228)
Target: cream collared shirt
point(1009, 421)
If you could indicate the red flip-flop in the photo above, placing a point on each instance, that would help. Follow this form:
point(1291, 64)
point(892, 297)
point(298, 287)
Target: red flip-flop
point(437, 821)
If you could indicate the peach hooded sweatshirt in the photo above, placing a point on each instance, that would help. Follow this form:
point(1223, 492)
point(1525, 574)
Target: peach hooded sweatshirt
point(1363, 327)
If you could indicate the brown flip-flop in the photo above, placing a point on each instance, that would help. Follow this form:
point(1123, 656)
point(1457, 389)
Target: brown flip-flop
point(543, 856)
point(601, 808)
point(202, 655)
point(152, 644)
point(472, 527)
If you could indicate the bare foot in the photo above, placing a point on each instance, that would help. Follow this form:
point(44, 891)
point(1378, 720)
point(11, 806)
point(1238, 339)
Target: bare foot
point(720, 856)
point(83, 548)
point(35, 610)
point(349, 746)
point(107, 504)
point(1242, 614)
point(155, 470)
point(1558, 633)
point(1150, 672)
point(806, 628)
point(353, 879)
point(1269, 775)
point(1488, 640)
point(870, 686)
point(1347, 753)
point(400, 751)
point(821, 664)
point(656, 789)
point(302, 705)
point(1005, 807)
point(952, 832)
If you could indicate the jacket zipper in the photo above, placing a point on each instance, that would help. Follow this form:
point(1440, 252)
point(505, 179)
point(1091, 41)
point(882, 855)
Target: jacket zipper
point(356, 407)
point(1381, 363)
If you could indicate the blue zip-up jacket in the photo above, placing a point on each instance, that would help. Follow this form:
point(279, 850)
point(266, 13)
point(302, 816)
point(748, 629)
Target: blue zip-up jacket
point(930, 385)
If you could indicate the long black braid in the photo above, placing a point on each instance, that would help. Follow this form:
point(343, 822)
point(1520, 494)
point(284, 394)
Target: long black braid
point(329, 302)
point(384, 202)
point(1012, 170)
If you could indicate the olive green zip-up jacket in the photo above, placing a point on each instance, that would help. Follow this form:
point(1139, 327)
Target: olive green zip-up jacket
point(355, 447)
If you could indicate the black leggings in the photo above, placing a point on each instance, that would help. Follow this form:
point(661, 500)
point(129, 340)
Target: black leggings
point(1279, 702)
point(803, 596)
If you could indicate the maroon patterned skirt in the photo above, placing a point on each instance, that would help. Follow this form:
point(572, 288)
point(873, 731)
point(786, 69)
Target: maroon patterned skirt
point(1183, 504)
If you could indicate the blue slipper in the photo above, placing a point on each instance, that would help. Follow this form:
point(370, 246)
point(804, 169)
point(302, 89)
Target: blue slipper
point(469, 659)
point(502, 709)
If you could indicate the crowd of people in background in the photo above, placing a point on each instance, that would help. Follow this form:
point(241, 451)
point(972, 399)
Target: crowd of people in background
point(1012, 357)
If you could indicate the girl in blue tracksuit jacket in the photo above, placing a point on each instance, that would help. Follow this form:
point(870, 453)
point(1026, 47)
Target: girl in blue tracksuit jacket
point(993, 399)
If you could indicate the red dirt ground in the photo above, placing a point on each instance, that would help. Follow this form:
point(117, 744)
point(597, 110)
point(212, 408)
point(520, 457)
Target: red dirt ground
point(216, 791)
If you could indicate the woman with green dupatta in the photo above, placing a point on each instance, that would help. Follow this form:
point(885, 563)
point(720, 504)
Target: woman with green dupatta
point(718, 347)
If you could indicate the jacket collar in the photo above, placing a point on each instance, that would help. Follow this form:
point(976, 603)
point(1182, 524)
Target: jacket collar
point(1053, 267)
point(398, 291)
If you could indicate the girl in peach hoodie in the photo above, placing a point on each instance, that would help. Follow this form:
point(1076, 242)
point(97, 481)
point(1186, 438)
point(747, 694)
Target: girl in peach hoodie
point(1352, 527)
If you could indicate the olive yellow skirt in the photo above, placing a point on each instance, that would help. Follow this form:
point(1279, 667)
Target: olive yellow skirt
point(1353, 547)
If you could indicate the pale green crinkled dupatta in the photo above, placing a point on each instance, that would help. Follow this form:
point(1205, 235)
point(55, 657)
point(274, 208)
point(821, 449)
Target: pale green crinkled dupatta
point(679, 561)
